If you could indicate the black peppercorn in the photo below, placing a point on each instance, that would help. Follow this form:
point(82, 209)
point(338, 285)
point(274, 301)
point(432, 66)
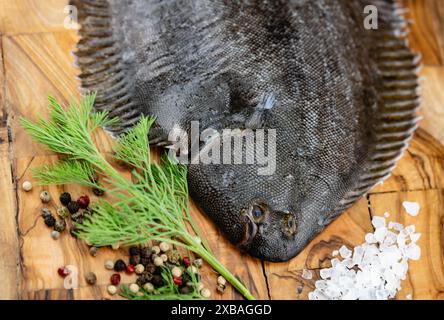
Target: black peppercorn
point(98, 192)
point(45, 212)
point(50, 221)
point(145, 252)
point(65, 198)
point(73, 207)
point(157, 280)
point(151, 268)
point(134, 260)
point(134, 251)
point(119, 265)
point(185, 290)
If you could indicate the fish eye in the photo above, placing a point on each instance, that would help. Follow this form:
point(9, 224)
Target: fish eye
point(290, 225)
point(257, 212)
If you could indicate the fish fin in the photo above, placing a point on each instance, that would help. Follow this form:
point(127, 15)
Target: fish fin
point(398, 102)
point(102, 70)
point(257, 119)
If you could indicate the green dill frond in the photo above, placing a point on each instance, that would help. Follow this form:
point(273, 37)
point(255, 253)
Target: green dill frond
point(66, 172)
point(133, 147)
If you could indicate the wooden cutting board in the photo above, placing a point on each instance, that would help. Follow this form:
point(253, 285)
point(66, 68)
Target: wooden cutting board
point(35, 62)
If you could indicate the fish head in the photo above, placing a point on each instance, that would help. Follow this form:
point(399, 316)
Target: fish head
point(265, 216)
point(266, 233)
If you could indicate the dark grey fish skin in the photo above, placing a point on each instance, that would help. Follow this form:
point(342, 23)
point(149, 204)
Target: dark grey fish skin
point(345, 100)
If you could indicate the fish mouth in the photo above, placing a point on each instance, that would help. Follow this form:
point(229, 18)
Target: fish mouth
point(249, 229)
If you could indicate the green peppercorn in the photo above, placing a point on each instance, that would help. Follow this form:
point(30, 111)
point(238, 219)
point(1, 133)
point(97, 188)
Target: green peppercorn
point(50, 221)
point(145, 277)
point(119, 265)
point(62, 212)
point(65, 198)
point(174, 257)
point(60, 226)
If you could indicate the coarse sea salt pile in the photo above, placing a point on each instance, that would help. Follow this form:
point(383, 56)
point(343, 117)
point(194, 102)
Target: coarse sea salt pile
point(373, 270)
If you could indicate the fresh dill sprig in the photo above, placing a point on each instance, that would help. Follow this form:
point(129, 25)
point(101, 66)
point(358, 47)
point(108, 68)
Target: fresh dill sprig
point(151, 207)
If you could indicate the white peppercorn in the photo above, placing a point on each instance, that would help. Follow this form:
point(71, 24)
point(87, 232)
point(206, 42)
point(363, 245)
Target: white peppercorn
point(164, 247)
point(221, 280)
point(155, 250)
point(205, 292)
point(193, 269)
point(134, 287)
point(45, 197)
point(112, 290)
point(176, 272)
point(27, 186)
point(158, 261)
point(109, 265)
point(198, 263)
point(140, 268)
point(55, 235)
point(148, 287)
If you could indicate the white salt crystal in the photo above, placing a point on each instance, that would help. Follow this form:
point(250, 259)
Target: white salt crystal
point(410, 229)
point(413, 252)
point(409, 296)
point(307, 274)
point(345, 252)
point(412, 208)
point(395, 226)
point(378, 222)
point(325, 273)
point(401, 240)
point(414, 237)
point(335, 253)
point(334, 262)
point(390, 238)
point(321, 285)
point(370, 238)
point(372, 270)
point(386, 214)
point(357, 255)
point(380, 234)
